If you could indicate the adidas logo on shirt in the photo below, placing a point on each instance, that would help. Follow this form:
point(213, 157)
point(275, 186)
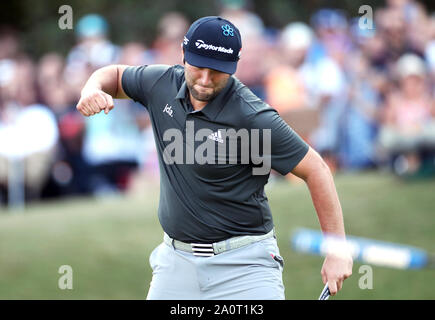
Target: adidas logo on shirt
point(216, 136)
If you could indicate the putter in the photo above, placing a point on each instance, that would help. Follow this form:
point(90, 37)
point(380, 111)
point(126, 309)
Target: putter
point(325, 293)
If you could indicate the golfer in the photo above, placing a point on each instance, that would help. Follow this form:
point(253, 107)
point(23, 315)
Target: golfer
point(219, 240)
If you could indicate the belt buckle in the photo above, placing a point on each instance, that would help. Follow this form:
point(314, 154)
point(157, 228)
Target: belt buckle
point(202, 249)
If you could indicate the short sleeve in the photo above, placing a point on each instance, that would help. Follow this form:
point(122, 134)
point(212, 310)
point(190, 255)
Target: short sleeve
point(287, 148)
point(138, 82)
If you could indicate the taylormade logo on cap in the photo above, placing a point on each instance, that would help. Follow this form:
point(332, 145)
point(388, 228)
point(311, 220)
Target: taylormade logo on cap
point(213, 42)
point(201, 45)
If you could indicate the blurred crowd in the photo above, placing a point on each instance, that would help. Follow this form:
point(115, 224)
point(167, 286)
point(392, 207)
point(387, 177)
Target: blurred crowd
point(361, 94)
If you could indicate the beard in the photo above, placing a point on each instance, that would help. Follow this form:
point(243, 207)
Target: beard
point(203, 96)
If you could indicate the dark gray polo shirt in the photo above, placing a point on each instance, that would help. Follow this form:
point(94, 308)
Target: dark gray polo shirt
point(211, 201)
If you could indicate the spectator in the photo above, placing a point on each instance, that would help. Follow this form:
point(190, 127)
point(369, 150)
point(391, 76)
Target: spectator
point(390, 23)
point(360, 116)
point(9, 43)
point(408, 128)
point(93, 47)
point(28, 131)
point(284, 84)
point(69, 175)
point(51, 85)
point(171, 29)
point(256, 52)
point(325, 78)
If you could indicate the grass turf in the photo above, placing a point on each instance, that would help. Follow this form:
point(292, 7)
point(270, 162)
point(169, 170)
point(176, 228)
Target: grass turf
point(107, 242)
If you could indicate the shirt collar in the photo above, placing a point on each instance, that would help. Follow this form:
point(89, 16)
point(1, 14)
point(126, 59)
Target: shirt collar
point(212, 108)
point(182, 92)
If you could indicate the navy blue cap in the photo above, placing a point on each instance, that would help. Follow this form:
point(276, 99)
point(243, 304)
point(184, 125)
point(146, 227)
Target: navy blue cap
point(213, 42)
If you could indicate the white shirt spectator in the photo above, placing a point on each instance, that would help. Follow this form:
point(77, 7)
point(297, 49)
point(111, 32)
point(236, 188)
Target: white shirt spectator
point(32, 129)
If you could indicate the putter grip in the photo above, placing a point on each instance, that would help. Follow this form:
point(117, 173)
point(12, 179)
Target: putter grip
point(325, 293)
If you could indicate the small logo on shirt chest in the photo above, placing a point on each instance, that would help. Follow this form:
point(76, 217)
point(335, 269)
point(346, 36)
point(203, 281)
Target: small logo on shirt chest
point(168, 110)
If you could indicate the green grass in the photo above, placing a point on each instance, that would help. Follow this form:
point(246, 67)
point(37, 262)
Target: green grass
point(107, 243)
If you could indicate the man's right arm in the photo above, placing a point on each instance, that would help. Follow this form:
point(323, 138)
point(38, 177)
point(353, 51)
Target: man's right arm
point(102, 87)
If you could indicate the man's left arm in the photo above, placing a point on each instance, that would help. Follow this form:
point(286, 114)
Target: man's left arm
point(338, 263)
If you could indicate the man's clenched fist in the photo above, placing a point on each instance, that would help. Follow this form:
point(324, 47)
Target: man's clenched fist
point(93, 101)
